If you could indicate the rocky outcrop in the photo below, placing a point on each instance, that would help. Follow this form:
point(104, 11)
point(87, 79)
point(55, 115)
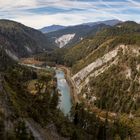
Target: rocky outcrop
point(82, 74)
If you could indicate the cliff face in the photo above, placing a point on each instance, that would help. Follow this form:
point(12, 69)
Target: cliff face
point(125, 60)
point(111, 84)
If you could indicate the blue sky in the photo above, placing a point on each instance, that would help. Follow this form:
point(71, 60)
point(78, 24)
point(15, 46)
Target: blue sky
point(40, 13)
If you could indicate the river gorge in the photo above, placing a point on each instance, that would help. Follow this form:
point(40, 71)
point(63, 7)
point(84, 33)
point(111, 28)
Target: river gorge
point(65, 99)
point(64, 89)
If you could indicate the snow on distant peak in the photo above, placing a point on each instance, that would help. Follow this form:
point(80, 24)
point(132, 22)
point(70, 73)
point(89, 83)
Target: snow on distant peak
point(64, 39)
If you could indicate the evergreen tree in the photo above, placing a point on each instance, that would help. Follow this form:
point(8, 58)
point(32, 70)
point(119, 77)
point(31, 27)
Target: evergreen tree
point(21, 131)
point(74, 136)
point(2, 129)
point(54, 101)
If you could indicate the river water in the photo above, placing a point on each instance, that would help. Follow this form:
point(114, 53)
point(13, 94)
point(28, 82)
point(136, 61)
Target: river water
point(65, 98)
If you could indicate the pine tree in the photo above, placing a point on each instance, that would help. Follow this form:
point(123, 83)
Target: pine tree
point(54, 101)
point(74, 136)
point(21, 131)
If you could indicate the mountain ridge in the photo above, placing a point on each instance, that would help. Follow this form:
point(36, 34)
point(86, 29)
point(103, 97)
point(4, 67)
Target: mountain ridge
point(111, 22)
point(21, 41)
point(80, 32)
point(51, 28)
point(54, 27)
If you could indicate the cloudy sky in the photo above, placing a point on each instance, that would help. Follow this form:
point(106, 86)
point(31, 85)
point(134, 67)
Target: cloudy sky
point(40, 13)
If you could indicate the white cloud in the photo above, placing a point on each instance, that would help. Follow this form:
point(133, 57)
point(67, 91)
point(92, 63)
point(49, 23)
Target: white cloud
point(90, 11)
point(134, 3)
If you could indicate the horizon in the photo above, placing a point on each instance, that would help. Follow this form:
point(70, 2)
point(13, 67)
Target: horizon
point(42, 13)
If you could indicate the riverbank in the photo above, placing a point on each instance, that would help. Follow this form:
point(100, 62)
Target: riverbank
point(31, 62)
point(70, 82)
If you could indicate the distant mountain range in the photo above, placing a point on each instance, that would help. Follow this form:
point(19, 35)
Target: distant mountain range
point(52, 28)
point(18, 40)
point(106, 22)
point(71, 35)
